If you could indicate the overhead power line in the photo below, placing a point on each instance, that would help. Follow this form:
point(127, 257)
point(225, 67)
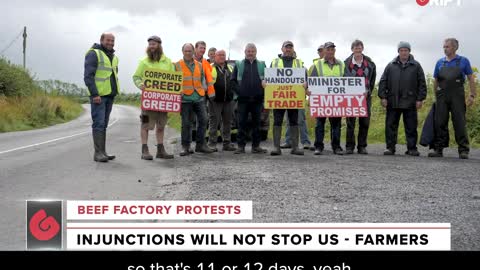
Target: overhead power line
point(12, 42)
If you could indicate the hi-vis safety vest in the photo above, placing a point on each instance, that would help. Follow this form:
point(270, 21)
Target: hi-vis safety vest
point(214, 72)
point(278, 63)
point(104, 71)
point(323, 69)
point(207, 71)
point(191, 82)
point(241, 67)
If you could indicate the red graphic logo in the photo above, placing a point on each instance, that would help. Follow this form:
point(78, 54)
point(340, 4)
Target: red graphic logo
point(42, 227)
point(422, 2)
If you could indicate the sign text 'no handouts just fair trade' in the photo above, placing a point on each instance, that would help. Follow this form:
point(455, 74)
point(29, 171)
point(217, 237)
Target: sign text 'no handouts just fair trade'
point(284, 88)
point(163, 90)
point(337, 97)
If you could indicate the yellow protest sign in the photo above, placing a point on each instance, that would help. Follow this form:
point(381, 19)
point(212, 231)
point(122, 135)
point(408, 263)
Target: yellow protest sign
point(162, 90)
point(284, 89)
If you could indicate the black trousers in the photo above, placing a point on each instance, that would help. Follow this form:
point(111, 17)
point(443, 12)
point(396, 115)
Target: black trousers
point(244, 110)
point(410, 122)
point(335, 132)
point(278, 115)
point(454, 104)
point(364, 123)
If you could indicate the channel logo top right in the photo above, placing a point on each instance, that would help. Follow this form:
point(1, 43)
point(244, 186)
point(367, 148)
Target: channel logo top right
point(440, 3)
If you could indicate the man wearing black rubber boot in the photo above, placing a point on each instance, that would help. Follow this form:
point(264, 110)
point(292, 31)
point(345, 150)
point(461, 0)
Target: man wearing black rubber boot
point(101, 79)
point(449, 74)
point(286, 60)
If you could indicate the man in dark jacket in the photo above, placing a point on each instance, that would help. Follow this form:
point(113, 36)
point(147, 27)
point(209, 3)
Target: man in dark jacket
point(247, 79)
point(221, 107)
point(402, 90)
point(360, 65)
point(101, 79)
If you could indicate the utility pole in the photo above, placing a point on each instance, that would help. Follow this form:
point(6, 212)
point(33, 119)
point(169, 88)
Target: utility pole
point(24, 47)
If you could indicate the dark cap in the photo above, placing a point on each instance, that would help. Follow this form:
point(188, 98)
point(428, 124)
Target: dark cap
point(287, 43)
point(329, 45)
point(321, 47)
point(155, 38)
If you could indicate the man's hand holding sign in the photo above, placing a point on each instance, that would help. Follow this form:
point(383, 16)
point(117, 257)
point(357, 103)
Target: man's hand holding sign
point(161, 90)
point(285, 88)
point(337, 97)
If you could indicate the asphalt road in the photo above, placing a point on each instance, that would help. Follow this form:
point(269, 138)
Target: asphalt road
point(56, 163)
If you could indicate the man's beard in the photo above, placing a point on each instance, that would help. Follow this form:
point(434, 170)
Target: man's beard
point(155, 55)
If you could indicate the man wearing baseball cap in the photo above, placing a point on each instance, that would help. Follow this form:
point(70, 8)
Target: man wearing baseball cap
point(329, 66)
point(286, 60)
point(321, 53)
point(150, 119)
point(402, 89)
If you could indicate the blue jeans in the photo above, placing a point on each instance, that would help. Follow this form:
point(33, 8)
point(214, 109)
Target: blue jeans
point(189, 109)
point(335, 132)
point(101, 113)
point(302, 125)
point(244, 109)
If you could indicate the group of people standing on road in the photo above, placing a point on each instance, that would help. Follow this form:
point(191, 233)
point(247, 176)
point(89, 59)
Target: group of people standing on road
point(216, 85)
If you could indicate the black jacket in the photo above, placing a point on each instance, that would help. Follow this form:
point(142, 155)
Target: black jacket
point(429, 135)
point(223, 84)
point(403, 85)
point(91, 64)
point(250, 88)
point(371, 75)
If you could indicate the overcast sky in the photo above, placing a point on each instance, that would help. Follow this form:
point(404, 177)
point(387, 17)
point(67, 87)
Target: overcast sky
point(61, 31)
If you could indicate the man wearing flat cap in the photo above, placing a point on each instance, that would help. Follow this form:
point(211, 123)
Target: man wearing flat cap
point(150, 120)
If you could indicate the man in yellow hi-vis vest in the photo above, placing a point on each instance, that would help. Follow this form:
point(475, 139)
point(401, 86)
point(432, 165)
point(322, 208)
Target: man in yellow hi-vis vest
point(329, 66)
point(101, 79)
point(286, 60)
point(155, 58)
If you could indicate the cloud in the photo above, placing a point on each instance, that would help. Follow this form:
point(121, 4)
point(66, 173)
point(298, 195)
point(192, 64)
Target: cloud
point(61, 31)
point(118, 29)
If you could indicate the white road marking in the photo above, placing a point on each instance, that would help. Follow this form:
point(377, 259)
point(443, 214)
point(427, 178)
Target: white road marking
point(50, 141)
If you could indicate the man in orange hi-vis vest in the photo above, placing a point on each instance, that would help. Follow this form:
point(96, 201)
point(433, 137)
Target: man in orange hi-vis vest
point(200, 48)
point(193, 101)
